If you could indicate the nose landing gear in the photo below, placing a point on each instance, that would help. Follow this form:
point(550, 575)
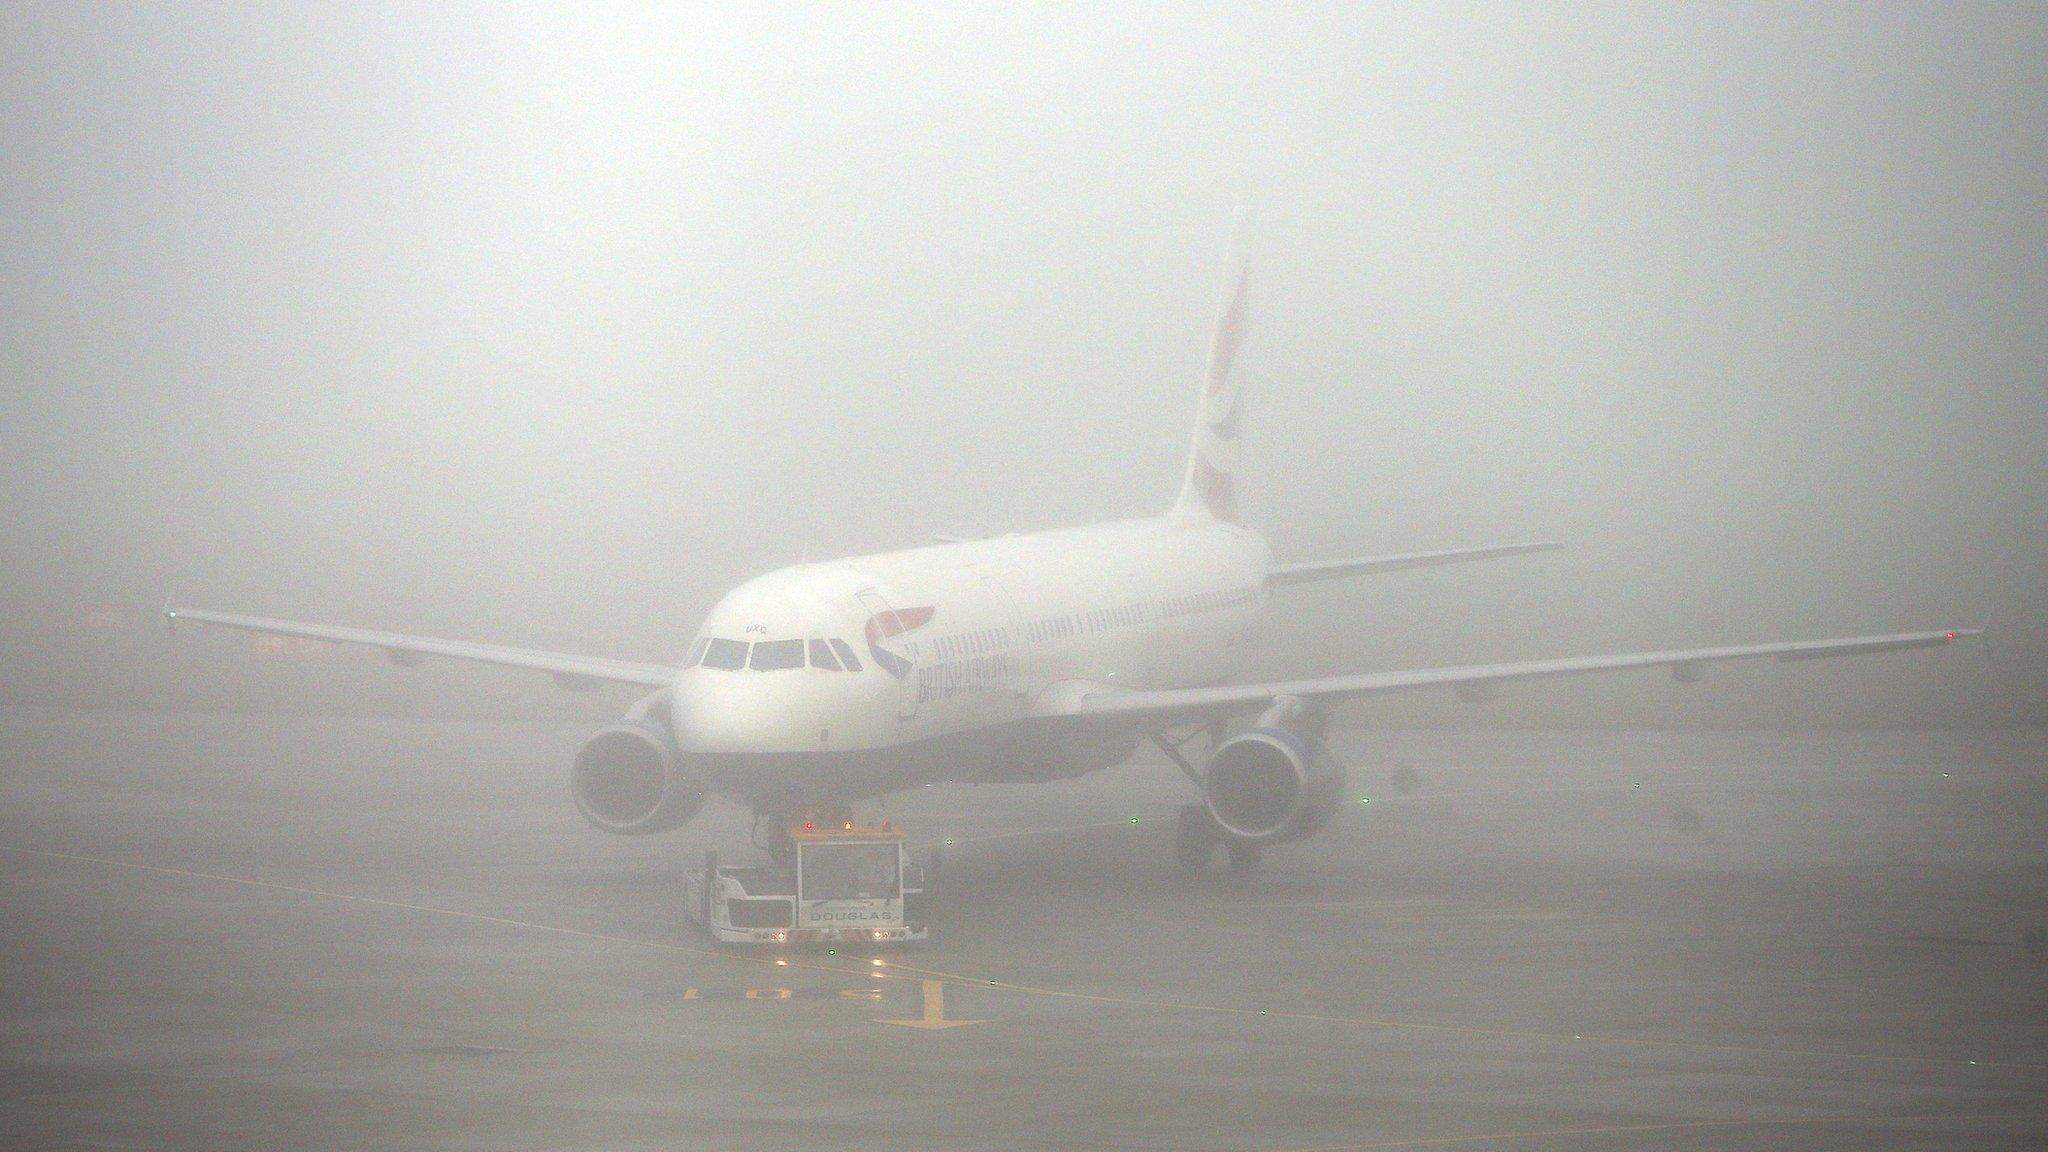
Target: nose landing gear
point(775, 832)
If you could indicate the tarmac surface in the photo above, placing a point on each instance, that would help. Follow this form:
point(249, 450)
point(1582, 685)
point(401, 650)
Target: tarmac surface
point(257, 932)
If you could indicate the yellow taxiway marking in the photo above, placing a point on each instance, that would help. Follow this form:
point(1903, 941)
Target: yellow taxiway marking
point(481, 917)
point(1024, 832)
point(892, 967)
point(934, 1009)
point(1479, 1031)
point(1873, 1121)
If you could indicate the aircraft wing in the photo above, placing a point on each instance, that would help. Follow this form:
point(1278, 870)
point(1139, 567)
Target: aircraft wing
point(572, 671)
point(1367, 565)
point(1475, 681)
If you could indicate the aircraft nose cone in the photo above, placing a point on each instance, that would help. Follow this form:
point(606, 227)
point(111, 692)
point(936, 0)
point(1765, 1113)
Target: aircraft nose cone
point(734, 712)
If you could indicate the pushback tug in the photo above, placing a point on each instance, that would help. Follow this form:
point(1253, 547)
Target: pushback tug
point(840, 883)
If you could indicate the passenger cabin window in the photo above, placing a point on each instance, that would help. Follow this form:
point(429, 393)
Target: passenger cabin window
point(727, 655)
point(822, 657)
point(846, 657)
point(776, 655)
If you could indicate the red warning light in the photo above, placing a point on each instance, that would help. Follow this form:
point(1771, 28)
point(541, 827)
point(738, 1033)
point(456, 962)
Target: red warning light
point(1948, 635)
point(810, 825)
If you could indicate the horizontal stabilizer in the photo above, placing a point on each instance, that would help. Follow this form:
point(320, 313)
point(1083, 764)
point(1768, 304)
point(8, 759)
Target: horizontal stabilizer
point(1367, 565)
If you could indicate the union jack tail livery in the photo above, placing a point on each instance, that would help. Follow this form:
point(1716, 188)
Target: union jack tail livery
point(1210, 489)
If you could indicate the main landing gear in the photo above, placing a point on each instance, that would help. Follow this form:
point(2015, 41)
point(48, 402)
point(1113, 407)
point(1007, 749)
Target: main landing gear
point(1195, 839)
point(1196, 836)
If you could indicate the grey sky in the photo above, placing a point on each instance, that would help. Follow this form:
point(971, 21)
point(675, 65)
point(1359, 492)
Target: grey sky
point(545, 326)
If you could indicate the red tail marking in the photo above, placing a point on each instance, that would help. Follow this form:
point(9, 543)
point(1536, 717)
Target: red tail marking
point(1218, 491)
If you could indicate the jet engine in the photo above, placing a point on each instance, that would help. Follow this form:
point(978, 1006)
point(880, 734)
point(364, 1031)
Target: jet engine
point(631, 779)
point(1276, 781)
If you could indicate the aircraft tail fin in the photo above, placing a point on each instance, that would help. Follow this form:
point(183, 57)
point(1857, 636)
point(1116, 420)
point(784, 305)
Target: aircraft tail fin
point(1209, 489)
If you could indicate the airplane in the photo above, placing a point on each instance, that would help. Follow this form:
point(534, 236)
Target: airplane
point(1026, 657)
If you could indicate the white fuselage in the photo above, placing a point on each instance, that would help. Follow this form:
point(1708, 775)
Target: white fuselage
point(956, 639)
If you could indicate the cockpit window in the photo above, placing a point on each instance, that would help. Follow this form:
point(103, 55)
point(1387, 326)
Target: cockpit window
point(696, 652)
point(776, 655)
point(846, 657)
point(822, 657)
point(725, 654)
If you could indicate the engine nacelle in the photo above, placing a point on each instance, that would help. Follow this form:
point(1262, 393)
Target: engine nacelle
point(631, 779)
point(1276, 782)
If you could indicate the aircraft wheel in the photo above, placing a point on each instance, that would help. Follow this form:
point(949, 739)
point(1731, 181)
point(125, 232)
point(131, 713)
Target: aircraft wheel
point(710, 888)
point(933, 874)
point(1194, 839)
point(781, 834)
point(1244, 855)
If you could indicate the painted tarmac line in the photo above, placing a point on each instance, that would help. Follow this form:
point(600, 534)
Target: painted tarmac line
point(1586, 1038)
point(958, 841)
point(932, 1009)
point(401, 905)
point(1670, 1126)
point(891, 967)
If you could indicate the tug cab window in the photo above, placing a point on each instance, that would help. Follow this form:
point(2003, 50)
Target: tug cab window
point(850, 872)
point(776, 655)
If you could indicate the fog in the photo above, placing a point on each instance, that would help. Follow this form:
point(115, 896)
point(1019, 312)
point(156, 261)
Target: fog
point(546, 327)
